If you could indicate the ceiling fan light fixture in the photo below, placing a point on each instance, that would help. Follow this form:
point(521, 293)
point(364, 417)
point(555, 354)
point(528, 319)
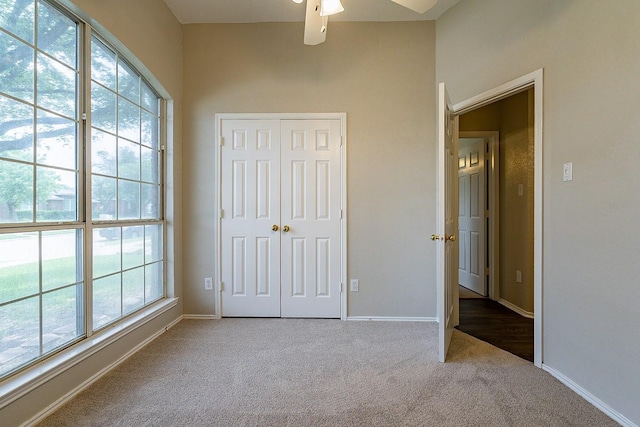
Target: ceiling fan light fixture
point(297, 1)
point(330, 7)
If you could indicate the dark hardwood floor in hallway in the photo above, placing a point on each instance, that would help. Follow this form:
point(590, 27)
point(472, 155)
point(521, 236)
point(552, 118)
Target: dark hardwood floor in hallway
point(491, 322)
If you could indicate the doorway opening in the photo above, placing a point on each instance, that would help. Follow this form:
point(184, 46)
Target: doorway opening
point(496, 223)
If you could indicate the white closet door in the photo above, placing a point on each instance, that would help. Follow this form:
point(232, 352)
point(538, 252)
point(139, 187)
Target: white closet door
point(250, 248)
point(311, 194)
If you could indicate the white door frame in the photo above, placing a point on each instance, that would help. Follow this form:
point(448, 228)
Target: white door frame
point(219, 117)
point(494, 204)
point(532, 80)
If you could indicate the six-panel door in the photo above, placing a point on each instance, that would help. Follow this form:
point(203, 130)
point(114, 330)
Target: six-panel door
point(310, 260)
point(471, 219)
point(250, 201)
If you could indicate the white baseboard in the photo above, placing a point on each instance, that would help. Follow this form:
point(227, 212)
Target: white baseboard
point(393, 319)
point(515, 308)
point(615, 415)
point(89, 381)
point(200, 317)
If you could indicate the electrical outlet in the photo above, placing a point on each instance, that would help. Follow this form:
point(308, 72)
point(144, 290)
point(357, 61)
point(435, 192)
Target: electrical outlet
point(354, 285)
point(518, 276)
point(208, 284)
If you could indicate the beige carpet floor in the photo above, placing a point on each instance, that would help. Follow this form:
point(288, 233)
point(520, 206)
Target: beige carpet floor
point(292, 372)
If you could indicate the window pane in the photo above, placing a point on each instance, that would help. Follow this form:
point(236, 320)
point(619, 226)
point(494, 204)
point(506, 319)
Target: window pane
point(128, 200)
point(149, 130)
point(57, 34)
point(128, 83)
point(20, 341)
point(17, 71)
point(17, 16)
point(62, 317)
point(56, 140)
point(16, 130)
point(103, 108)
point(132, 246)
point(128, 120)
point(150, 165)
point(56, 190)
point(19, 271)
point(150, 201)
point(16, 192)
point(106, 251)
point(153, 279)
point(103, 198)
point(149, 99)
point(103, 64)
point(56, 87)
point(61, 258)
point(107, 300)
point(103, 153)
point(153, 243)
point(128, 160)
point(132, 290)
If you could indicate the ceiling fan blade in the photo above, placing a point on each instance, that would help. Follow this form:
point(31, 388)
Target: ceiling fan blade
point(420, 6)
point(315, 26)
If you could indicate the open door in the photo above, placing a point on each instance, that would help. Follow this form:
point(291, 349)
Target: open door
point(447, 222)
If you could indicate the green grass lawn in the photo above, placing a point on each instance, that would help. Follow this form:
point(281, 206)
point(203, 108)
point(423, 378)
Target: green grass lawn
point(19, 281)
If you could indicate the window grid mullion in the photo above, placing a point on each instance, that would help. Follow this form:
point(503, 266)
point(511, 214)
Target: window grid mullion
point(88, 205)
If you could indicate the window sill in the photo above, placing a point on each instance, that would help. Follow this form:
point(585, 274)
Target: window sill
point(26, 381)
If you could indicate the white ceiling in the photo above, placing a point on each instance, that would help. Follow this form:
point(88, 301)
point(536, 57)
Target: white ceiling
point(237, 11)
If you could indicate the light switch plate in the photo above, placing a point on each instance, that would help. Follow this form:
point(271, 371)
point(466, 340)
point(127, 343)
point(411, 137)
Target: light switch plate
point(567, 172)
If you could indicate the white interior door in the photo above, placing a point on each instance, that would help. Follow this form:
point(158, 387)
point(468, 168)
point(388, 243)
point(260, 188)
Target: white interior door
point(280, 231)
point(471, 215)
point(250, 200)
point(311, 218)
point(447, 222)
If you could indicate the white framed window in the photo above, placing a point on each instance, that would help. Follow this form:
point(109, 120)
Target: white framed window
point(81, 184)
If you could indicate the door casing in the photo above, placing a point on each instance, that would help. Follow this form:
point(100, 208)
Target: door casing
point(343, 196)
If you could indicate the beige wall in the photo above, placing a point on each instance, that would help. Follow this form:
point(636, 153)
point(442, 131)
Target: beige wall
point(590, 52)
point(150, 31)
point(513, 118)
point(382, 76)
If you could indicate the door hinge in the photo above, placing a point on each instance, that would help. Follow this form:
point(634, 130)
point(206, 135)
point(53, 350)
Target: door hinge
point(487, 213)
point(341, 287)
point(221, 141)
point(341, 140)
point(84, 116)
point(340, 213)
point(221, 213)
point(486, 271)
point(221, 286)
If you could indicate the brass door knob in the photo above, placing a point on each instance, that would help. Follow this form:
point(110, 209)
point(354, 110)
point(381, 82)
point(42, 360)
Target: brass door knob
point(286, 228)
point(451, 238)
point(275, 228)
point(435, 237)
